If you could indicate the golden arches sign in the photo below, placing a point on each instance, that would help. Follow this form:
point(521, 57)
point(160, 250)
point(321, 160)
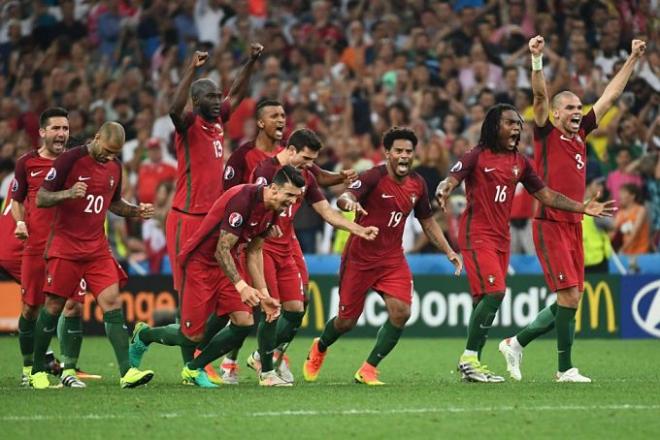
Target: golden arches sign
point(316, 300)
point(593, 296)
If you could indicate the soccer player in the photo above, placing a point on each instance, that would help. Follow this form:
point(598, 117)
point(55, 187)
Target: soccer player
point(83, 184)
point(270, 120)
point(491, 171)
point(281, 271)
point(11, 248)
point(560, 159)
point(33, 226)
point(199, 140)
point(213, 277)
point(383, 197)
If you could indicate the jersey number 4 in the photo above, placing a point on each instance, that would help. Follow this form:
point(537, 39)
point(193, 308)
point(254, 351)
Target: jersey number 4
point(94, 204)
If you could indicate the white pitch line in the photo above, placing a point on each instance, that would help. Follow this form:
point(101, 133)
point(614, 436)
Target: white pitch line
point(345, 412)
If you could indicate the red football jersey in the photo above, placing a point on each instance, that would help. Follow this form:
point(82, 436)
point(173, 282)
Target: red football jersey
point(242, 163)
point(562, 164)
point(241, 211)
point(199, 147)
point(388, 204)
point(490, 183)
point(31, 170)
point(11, 248)
point(263, 175)
point(78, 229)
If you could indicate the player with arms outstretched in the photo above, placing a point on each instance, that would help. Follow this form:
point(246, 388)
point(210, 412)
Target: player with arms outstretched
point(213, 276)
point(560, 159)
point(83, 184)
point(491, 171)
point(382, 197)
point(282, 274)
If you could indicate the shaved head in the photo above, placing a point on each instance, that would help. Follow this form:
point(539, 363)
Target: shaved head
point(113, 133)
point(559, 97)
point(201, 87)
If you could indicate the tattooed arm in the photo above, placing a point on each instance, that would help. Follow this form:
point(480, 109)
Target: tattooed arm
point(557, 200)
point(124, 209)
point(224, 258)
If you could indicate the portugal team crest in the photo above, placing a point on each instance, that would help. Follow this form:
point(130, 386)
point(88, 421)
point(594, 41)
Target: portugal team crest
point(516, 171)
point(112, 182)
point(413, 198)
point(235, 219)
point(491, 279)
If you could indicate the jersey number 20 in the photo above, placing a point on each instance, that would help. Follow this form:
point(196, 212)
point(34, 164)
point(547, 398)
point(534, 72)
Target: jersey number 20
point(94, 204)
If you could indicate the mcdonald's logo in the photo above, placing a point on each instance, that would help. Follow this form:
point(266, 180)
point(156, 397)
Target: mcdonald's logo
point(593, 296)
point(316, 300)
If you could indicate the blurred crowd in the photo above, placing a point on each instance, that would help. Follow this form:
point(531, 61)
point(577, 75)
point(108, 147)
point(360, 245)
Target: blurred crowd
point(348, 69)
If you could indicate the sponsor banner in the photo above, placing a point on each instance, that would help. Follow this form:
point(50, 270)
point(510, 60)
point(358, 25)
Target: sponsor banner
point(640, 307)
point(441, 306)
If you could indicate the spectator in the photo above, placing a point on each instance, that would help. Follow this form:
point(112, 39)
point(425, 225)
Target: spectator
point(631, 224)
point(595, 234)
point(621, 176)
point(153, 172)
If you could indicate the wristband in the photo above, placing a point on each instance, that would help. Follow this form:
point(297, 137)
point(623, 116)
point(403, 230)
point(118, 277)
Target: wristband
point(240, 285)
point(20, 222)
point(537, 62)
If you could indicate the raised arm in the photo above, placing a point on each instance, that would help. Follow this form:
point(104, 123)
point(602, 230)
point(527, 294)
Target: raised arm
point(327, 178)
point(539, 89)
point(339, 221)
point(591, 207)
point(437, 238)
point(239, 88)
point(183, 89)
point(618, 83)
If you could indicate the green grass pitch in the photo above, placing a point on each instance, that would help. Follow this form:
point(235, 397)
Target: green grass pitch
point(423, 397)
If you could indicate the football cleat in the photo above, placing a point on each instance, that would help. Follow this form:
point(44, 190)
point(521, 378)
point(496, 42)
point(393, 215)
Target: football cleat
point(368, 375)
point(283, 366)
point(134, 378)
point(137, 348)
point(213, 375)
point(471, 369)
point(254, 361)
point(52, 364)
point(229, 371)
point(314, 362)
point(272, 379)
point(513, 359)
point(196, 377)
point(39, 381)
point(572, 375)
point(25, 376)
point(70, 379)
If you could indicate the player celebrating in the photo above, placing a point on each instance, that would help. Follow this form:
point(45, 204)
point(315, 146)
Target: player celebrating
point(213, 276)
point(491, 171)
point(560, 158)
point(270, 120)
point(84, 183)
point(282, 275)
point(388, 193)
point(199, 140)
point(33, 226)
